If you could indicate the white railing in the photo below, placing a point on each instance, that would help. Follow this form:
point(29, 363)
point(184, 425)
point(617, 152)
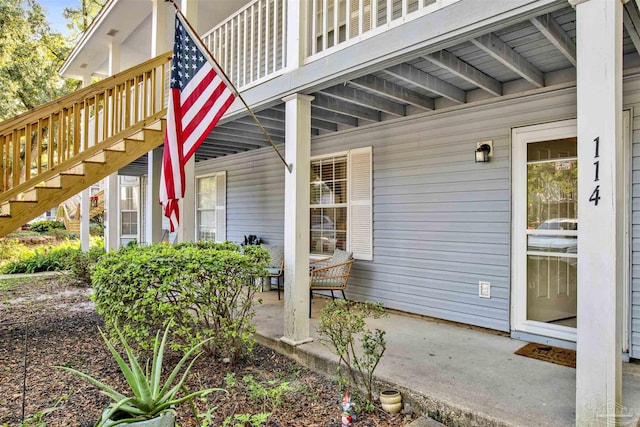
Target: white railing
point(251, 44)
point(335, 22)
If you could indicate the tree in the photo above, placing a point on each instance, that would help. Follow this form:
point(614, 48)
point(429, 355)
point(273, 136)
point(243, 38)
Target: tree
point(30, 56)
point(80, 18)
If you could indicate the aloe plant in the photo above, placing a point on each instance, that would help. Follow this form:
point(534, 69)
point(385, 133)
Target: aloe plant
point(150, 396)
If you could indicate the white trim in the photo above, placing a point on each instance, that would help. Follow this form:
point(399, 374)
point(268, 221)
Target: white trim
point(520, 137)
point(626, 229)
point(218, 226)
point(326, 156)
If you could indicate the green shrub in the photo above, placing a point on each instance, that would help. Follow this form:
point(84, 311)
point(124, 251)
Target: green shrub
point(12, 250)
point(339, 325)
point(83, 264)
point(51, 258)
point(46, 225)
point(207, 289)
point(96, 229)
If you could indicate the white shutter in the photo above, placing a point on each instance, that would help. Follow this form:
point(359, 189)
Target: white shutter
point(221, 206)
point(360, 203)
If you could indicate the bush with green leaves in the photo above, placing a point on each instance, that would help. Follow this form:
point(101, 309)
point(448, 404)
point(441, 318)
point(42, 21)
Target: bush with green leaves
point(340, 323)
point(208, 289)
point(21, 259)
point(46, 225)
point(44, 259)
point(12, 250)
point(96, 229)
point(83, 263)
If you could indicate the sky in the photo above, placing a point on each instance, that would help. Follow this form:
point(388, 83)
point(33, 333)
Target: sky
point(54, 10)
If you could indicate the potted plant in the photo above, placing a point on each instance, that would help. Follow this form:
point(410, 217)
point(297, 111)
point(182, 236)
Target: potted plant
point(150, 403)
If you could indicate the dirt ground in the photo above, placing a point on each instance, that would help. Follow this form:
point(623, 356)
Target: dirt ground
point(52, 322)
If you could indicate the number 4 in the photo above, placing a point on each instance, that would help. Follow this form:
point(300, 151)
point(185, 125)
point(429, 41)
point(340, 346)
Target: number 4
point(595, 196)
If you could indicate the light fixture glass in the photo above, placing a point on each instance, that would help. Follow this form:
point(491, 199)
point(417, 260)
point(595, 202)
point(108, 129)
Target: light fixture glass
point(482, 153)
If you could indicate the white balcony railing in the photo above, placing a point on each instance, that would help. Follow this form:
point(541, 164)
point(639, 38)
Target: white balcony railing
point(337, 22)
point(251, 44)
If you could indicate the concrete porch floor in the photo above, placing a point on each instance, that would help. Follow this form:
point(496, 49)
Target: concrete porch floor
point(458, 375)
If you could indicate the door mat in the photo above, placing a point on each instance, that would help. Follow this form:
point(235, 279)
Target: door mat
point(548, 353)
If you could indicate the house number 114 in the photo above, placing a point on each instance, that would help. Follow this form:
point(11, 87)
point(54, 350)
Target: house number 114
point(595, 195)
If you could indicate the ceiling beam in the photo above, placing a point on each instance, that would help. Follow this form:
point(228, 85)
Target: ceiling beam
point(272, 114)
point(365, 99)
point(268, 124)
point(500, 51)
point(455, 65)
point(632, 23)
point(324, 125)
point(214, 149)
point(247, 146)
point(428, 82)
point(339, 106)
point(332, 116)
point(259, 138)
point(253, 128)
point(550, 28)
point(397, 93)
point(231, 138)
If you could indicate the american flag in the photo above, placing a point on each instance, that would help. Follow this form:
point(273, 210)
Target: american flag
point(198, 98)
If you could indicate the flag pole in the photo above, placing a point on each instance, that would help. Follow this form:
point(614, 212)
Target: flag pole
point(289, 166)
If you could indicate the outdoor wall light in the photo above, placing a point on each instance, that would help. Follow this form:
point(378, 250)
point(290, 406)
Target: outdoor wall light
point(482, 152)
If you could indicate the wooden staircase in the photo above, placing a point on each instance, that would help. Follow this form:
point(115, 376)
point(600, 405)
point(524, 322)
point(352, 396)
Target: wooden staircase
point(53, 152)
point(72, 205)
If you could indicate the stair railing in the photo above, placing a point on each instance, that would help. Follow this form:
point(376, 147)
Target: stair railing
point(57, 136)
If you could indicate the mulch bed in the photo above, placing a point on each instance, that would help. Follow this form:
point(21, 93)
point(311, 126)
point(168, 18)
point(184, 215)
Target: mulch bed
point(62, 329)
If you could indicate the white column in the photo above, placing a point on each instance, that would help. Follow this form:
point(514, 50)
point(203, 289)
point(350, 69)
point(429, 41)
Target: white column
point(297, 32)
point(153, 220)
point(154, 209)
point(85, 197)
point(187, 228)
point(296, 219)
point(111, 191)
point(599, 89)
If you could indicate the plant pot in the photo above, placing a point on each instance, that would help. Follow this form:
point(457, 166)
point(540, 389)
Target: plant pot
point(391, 401)
point(166, 419)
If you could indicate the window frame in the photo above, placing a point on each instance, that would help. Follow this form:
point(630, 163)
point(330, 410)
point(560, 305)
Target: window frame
point(214, 175)
point(347, 204)
point(122, 184)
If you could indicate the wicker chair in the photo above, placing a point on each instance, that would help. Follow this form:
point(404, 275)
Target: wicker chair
point(330, 274)
point(276, 267)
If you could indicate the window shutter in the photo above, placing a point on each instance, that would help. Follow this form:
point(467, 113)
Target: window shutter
point(221, 206)
point(360, 203)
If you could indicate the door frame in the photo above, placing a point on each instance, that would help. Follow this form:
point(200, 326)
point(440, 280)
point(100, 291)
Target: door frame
point(520, 137)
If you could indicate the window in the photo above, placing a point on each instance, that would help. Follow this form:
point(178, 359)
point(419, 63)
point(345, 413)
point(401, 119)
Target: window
point(328, 205)
point(210, 207)
point(340, 204)
point(129, 206)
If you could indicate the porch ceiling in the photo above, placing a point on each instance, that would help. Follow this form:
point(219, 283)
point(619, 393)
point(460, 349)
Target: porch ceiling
point(538, 52)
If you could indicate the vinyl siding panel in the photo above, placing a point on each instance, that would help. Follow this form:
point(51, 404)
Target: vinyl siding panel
point(255, 194)
point(631, 100)
point(441, 222)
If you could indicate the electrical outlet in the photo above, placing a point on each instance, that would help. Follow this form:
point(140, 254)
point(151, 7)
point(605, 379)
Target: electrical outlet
point(484, 289)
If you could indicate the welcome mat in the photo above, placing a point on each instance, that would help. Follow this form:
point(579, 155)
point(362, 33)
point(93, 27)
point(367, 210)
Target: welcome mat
point(548, 353)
